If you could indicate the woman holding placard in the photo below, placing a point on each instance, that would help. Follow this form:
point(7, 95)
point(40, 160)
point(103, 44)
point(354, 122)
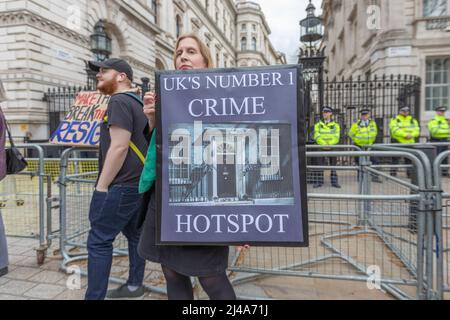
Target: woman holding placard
point(179, 263)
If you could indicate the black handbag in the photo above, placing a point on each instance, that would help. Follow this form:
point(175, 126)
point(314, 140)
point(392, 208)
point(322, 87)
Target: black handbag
point(15, 161)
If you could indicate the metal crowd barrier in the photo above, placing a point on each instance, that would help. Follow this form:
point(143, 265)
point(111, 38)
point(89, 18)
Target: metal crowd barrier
point(23, 200)
point(75, 191)
point(365, 230)
point(442, 224)
point(362, 228)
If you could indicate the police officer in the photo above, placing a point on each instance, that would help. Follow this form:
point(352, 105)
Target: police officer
point(405, 130)
point(364, 133)
point(439, 128)
point(327, 133)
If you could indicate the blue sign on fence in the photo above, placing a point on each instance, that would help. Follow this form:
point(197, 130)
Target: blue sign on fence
point(231, 157)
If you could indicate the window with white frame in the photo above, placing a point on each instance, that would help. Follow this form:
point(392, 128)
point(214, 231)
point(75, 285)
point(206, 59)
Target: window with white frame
point(269, 153)
point(254, 44)
point(435, 8)
point(154, 6)
point(244, 44)
point(437, 83)
point(178, 161)
point(178, 27)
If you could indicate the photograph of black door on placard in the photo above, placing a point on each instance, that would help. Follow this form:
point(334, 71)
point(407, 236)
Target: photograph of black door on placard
point(226, 173)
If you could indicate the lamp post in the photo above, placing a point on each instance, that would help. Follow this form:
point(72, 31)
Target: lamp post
point(101, 48)
point(100, 42)
point(311, 57)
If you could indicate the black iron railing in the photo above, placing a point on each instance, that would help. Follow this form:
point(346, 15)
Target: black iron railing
point(383, 95)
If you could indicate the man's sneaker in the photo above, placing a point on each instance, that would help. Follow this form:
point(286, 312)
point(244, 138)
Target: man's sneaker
point(3, 271)
point(317, 185)
point(123, 292)
point(336, 185)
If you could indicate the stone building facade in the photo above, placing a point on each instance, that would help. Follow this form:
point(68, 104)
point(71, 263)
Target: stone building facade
point(45, 44)
point(376, 37)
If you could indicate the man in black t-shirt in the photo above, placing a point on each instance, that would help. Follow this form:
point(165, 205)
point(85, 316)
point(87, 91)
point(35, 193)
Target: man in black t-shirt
point(115, 204)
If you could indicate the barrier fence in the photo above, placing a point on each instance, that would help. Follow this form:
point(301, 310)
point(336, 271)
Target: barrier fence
point(23, 202)
point(390, 230)
point(442, 224)
point(357, 232)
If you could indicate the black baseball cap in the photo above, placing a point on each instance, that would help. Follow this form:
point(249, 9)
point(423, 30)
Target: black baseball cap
point(119, 65)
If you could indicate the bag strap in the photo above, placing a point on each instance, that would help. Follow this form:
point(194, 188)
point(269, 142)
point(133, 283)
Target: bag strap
point(137, 151)
point(131, 143)
point(134, 96)
point(11, 141)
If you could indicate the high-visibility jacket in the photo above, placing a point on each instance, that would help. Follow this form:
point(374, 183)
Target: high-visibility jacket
point(439, 127)
point(401, 127)
point(364, 135)
point(327, 134)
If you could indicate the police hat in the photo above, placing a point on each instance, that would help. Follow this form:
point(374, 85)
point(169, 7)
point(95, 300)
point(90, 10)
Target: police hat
point(327, 109)
point(365, 111)
point(441, 109)
point(405, 109)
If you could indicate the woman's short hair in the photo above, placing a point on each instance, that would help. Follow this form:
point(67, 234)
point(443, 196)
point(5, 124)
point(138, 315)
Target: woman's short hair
point(204, 50)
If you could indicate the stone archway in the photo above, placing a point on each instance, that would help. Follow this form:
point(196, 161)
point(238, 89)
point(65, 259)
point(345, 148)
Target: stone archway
point(119, 46)
point(159, 64)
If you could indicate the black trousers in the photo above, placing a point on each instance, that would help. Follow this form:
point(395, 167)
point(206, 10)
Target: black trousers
point(318, 174)
point(439, 150)
point(396, 161)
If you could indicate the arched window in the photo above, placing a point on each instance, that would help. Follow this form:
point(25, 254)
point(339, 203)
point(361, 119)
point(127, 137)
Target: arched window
point(254, 44)
point(244, 44)
point(179, 26)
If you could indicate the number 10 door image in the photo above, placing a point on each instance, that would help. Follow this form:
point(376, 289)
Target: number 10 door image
point(232, 163)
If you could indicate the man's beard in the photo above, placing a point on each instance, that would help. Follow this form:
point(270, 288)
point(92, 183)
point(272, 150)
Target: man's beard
point(108, 87)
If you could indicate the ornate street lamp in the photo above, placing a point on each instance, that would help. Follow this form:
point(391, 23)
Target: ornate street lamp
point(101, 48)
point(311, 28)
point(100, 42)
point(311, 32)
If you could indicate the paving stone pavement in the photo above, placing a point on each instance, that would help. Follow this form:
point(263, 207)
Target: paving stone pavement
point(28, 281)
